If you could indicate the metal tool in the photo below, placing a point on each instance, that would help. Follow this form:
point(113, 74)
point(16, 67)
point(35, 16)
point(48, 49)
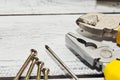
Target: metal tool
point(31, 68)
point(45, 72)
point(61, 63)
point(32, 54)
point(102, 58)
point(40, 66)
point(96, 57)
point(100, 26)
point(87, 44)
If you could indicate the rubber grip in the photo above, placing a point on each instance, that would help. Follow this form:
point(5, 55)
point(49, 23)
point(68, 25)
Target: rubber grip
point(118, 36)
point(112, 70)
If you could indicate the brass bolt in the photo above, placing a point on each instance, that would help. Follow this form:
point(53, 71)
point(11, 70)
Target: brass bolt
point(32, 54)
point(40, 66)
point(45, 72)
point(31, 68)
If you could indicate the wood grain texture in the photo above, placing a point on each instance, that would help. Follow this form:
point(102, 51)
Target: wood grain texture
point(8, 7)
point(19, 34)
point(26, 24)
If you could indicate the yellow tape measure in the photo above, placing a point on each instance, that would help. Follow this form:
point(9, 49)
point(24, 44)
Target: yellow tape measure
point(112, 70)
point(118, 36)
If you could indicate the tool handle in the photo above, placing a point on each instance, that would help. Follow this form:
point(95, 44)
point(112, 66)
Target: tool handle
point(118, 37)
point(112, 70)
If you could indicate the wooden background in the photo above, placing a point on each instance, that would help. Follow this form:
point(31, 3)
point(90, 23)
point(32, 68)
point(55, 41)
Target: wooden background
point(26, 24)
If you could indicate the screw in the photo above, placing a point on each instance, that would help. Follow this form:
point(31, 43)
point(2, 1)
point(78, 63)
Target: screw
point(40, 66)
point(45, 72)
point(31, 68)
point(32, 54)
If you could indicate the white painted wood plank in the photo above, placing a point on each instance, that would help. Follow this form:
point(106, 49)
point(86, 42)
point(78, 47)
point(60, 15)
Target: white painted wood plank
point(56, 6)
point(18, 34)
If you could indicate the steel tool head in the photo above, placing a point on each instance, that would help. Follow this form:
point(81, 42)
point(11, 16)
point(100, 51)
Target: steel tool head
point(101, 26)
point(96, 57)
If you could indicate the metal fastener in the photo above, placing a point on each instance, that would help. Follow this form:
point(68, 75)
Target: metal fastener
point(45, 72)
point(40, 66)
point(31, 68)
point(32, 54)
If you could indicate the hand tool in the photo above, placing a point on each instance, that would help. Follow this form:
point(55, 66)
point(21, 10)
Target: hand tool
point(100, 26)
point(45, 72)
point(84, 42)
point(102, 58)
point(40, 66)
point(32, 54)
point(35, 59)
point(61, 62)
point(112, 70)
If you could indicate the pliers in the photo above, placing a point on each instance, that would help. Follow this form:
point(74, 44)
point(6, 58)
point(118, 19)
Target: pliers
point(101, 26)
point(101, 57)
